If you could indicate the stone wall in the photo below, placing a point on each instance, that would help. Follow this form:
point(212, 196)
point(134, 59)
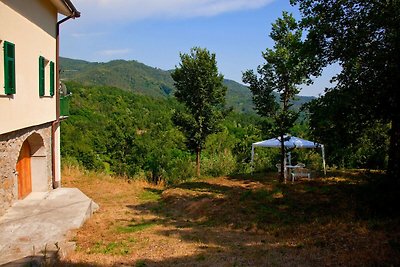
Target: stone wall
point(39, 138)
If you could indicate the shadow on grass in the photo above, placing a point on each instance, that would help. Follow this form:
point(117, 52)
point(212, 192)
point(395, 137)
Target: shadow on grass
point(313, 222)
point(278, 204)
point(263, 178)
point(204, 187)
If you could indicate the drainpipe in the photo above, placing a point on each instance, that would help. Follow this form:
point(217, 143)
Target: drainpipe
point(56, 123)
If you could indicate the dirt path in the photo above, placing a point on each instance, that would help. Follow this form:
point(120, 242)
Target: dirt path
point(240, 221)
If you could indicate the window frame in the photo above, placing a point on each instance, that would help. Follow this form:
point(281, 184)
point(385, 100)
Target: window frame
point(52, 78)
point(9, 68)
point(42, 75)
point(46, 77)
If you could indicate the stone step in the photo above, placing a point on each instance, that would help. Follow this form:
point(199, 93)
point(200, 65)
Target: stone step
point(39, 224)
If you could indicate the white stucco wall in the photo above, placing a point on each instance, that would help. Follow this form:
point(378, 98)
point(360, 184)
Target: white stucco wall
point(31, 26)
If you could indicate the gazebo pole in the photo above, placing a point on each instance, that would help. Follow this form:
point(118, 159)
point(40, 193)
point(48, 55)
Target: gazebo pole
point(323, 158)
point(285, 171)
point(252, 158)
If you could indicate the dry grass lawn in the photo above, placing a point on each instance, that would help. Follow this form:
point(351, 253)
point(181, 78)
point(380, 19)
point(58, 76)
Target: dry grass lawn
point(236, 221)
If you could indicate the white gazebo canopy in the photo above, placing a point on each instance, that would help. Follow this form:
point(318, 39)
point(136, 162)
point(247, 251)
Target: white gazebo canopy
point(290, 142)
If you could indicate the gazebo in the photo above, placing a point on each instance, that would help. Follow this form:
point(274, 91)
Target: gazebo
point(290, 142)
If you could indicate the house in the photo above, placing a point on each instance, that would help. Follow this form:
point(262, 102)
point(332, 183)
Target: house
point(29, 96)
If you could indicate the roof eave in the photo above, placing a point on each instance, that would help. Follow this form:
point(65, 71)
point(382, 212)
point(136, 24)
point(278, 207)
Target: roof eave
point(66, 8)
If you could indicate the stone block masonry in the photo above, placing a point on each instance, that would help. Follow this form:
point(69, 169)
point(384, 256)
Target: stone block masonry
point(39, 138)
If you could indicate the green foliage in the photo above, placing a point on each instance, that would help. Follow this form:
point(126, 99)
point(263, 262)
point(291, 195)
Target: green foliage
point(218, 159)
point(136, 77)
point(371, 148)
point(200, 88)
point(128, 75)
point(238, 97)
point(363, 36)
point(287, 66)
point(265, 159)
point(348, 142)
point(119, 132)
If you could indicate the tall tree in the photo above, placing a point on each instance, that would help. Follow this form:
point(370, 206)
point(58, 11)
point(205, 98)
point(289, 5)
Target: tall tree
point(350, 143)
point(287, 66)
point(200, 88)
point(364, 37)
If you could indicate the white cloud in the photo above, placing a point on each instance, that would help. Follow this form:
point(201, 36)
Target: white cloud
point(141, 9)
point(114, 52)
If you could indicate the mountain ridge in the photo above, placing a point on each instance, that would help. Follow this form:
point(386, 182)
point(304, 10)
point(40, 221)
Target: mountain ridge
point(132, 75)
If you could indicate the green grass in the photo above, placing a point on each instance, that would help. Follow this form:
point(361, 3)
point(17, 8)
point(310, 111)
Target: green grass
point(201, 257)
point(322, 215)
point(140, 263)
point(159, 207)
point(150, 195)
point(256, 195)
point(131, 228)
point(308, 188)
point(113, 248)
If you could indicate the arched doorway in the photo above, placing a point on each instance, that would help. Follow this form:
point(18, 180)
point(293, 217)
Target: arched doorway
point(24, 171)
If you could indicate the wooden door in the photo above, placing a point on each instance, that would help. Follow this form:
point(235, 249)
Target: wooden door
point(24, 171)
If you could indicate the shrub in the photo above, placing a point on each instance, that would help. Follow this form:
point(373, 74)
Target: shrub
point(219, 164)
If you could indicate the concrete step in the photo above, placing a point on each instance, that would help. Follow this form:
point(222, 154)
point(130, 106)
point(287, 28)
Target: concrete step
point(38, 224)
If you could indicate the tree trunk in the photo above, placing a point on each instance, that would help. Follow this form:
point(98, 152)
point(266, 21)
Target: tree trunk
point(393, 170)
point(394, 150)
point(283, 132)
point(198, 152)
point(282, 177)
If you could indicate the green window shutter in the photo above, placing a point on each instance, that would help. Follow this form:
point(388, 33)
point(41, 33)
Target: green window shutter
point(9, 68)
point(52, 78)
point(41, 76)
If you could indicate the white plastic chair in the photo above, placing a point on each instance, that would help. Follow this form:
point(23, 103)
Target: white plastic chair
point(278, 166)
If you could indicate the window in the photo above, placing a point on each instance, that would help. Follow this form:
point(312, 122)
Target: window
point(9, 68)
point(41, 75)
point(46, 69)
point(51, 78)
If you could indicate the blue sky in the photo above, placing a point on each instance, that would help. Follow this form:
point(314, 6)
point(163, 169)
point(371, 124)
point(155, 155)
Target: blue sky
point(154, 32)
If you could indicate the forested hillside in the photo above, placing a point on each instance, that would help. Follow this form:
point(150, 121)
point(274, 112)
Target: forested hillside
point(142, 79)
point(127, 129)
point(127, 75)
point(120, 132)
